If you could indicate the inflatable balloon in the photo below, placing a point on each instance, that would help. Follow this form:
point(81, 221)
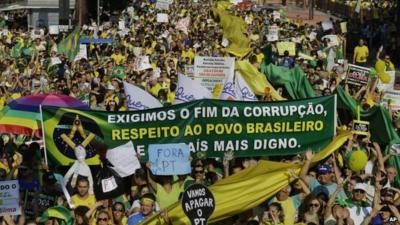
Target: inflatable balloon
point(357, 160)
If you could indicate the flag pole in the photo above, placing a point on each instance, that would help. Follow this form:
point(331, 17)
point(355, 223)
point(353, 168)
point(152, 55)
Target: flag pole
point(43, 136)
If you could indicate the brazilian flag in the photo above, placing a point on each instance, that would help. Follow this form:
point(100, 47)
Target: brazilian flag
point(118, 72)
point(62, 214)
point(69, 46)
point(16, 50)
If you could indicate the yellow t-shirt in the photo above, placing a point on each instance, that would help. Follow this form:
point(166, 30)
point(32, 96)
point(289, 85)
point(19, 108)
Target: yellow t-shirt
point(155, 89)
point(189, 54)
point(118, 58)
point(171, 97)
point(165, 199)
point(88, 202)
point(260, 58)
point(361, 53)
point(288, 209)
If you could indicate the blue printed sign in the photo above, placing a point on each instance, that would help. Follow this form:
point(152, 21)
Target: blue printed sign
point(96, 40)
point(169, 159)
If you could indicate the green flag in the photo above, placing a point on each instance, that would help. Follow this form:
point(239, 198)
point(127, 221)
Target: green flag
point(16, 50)
point(70, 45)
point(118, 72)
point(294, 80)
point(381, 126)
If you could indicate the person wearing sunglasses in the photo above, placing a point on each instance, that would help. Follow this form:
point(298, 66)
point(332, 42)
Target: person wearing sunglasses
point(102, 218)
point(313, 212)
point(358, 206)
point(118, 211)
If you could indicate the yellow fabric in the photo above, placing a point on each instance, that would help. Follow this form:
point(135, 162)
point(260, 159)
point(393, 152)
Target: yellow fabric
point(255, 79)
point(155, 89)
point(3, 101)
point(88, 202)
point(361, 53)
point(380, 67)
point(250, 187)
point(233, 28)
point(171, 97)
point(223, 5)
point(165, 199)
point(286, 46)
point(118, 58)
point(189, 54)
point(260, 58)
point(289, 210)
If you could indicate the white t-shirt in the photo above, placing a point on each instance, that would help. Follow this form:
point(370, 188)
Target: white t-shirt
point(358, 218)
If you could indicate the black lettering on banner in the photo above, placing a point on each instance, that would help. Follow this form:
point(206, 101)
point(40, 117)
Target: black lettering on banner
point(198, 203)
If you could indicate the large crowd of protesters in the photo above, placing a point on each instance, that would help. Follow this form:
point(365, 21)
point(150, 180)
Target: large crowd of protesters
point(327, 193)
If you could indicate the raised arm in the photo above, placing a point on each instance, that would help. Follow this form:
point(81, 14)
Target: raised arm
point(304, 171)
point(149, 179)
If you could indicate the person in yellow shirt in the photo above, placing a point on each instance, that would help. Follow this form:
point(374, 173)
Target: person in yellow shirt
point(118, 211)
point(361, 54)
point(118, 58)
point(188, 53)
point(154, 86)
point(83, 197)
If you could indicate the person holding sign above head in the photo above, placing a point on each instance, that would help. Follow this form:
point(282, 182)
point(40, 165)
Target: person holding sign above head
point(167, 192)
point(361, 54)
point(146, 210)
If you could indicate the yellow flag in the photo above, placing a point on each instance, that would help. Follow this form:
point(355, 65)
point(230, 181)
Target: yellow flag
point(256, 80)
point(234, 27)
point(248, 188)
point(286, 46)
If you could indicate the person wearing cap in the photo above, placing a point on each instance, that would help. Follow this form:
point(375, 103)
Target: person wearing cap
point(325, 176)
point(147, 202)
point(357, 206)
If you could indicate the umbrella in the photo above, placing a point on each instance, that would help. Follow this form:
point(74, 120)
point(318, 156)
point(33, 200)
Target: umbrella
point(32, 102)
point(20, 122)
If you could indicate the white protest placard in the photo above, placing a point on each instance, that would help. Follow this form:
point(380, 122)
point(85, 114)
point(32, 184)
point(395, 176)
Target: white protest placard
point(162, 18)
point(333, 39)
point(139, 99)
point(273, 33)
point(189, 71)
point(327, 25)
point(212, 71)
point(391, 93)
point(124, 159)
point(63, 28)
point(121, 25)
point(163, 4)
point(169, 159)
point(82, 54)
point(312, 36)
point(276, 15)
point(235, 2)
point(142, 63)
point(54, 29)
point(9, 198)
